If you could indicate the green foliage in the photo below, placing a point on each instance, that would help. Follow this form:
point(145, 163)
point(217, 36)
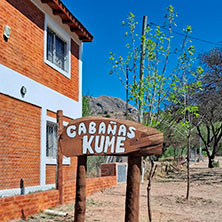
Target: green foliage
point(161, 82)
point(174, 152)
point(85, 106)
point(169, 152)
point(93, 165)
point(216, 164)
point(204, 153)
point(108, 115)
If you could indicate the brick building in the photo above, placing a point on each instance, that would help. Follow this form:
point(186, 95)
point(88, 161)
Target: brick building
point(40, 73)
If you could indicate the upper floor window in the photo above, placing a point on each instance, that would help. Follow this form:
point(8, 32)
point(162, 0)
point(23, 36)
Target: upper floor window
point(57, 48)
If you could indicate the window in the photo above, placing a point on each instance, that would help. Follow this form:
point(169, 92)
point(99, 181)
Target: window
point(57, 47)
point(52, 144)
point(56, 50)
point(51, 140)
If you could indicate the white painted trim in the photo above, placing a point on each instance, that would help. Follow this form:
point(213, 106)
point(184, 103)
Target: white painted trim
point(43, 148)
point(53, 161)
point(65, 123)
point(27, 190)
point(51, 119)
point(37, 94)
point(63, 35)
point(80, 75)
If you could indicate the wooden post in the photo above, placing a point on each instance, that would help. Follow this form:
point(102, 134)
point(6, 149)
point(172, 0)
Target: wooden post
point(127, 89)
point(142, 58)
point(133, 189)
point(59, 182)
point(80, 203)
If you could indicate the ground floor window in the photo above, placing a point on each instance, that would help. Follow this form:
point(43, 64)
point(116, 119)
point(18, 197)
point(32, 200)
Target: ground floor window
point(51, 140)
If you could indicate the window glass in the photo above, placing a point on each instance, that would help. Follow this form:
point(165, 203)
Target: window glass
point(60, 53)
point(49, 45)
point(51, 140)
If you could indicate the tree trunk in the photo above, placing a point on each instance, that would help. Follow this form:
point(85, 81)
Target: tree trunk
point(210, 158)
point(188, 166)
point(210, 163)
point(151, 174)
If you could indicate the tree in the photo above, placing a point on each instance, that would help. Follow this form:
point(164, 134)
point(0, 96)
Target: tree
point(161, 82)
point(160, 77)
point(85, 106)
point(184, 90)
point(209, 101)
point(151, 89)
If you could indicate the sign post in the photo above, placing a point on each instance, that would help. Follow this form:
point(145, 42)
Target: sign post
point(59, 179)
point(133, 189)
point(103, 136)
point(80, 203)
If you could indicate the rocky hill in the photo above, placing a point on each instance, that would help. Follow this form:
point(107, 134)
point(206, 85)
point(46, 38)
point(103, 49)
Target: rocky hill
point(112, 107)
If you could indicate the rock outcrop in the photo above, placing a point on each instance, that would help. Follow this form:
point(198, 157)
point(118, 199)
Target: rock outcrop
point(112, 107)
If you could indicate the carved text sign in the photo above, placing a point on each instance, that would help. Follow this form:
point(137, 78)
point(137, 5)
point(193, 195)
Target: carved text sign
point(104, 136)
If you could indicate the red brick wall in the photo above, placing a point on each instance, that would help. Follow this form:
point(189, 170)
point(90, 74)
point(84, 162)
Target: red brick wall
point(50, 174)
point(69, 191)
point(24, 51)
point(93, 185)
point(108, 169)
point(69, 171)
point(22, 206)
point(25, 205)
point(19, 143)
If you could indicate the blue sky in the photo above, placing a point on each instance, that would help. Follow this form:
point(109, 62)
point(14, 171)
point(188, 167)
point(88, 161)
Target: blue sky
point(103, 19)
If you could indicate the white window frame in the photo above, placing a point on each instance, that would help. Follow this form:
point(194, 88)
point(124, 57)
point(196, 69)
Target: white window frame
point(65, 37)
point(51, 160)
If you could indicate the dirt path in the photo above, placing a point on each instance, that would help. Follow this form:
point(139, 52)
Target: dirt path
point(168, 200)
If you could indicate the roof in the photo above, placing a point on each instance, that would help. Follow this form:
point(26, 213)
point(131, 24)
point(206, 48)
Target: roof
point(68, 18)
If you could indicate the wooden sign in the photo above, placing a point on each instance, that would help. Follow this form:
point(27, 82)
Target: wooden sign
point(104, 136)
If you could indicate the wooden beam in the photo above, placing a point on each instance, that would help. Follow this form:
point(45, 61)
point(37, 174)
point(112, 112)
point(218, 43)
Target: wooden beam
point(46, 1)
point(135, 141)
point(82, 38)
point(67, 21)
point(75, 30)
point(58, 12)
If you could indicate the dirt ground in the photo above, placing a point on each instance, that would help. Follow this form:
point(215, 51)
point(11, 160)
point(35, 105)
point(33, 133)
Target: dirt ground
point(168, 200)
